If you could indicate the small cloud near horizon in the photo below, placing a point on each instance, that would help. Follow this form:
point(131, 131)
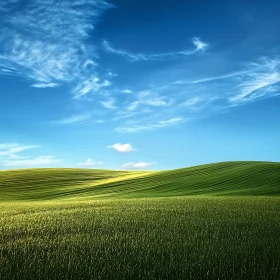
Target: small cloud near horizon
point(89, 163)
point(139, 165)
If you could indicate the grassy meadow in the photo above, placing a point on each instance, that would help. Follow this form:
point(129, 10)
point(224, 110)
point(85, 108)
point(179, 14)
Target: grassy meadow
point(217, 221)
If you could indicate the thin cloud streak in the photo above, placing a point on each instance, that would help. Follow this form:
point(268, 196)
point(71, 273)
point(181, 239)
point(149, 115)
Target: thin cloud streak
point(200, 46)
point(10, 156)
point(11, 150)
point(210, 79)
point(89, 163)
point(150, 125)
point(74, 119)
point(149, 98)
point(34, 162)
point(138, 165)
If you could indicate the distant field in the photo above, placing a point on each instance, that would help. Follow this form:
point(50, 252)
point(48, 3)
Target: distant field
point(229, 178)
point(218, 221)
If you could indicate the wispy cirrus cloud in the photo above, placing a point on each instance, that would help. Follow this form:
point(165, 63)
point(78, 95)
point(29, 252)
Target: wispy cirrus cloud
point(32, 162)
point(149, 98)
point(201, 97)
point(193, 101)
point(150, 125)
point(82, 119)
point(109, 103)
point(91, 85)
point(39, 44)
point(11, 150)
point(199, 46)
point(194, 98)
point(75, 119)
point(262, 82)
point(11, 156)
point(48, 49)
point(257, 80)
point(214, 78)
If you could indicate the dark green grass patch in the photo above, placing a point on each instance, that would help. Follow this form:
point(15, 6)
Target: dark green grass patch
point(157, 238)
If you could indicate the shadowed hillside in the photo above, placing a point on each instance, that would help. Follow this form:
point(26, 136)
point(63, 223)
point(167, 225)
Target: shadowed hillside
point(228, 178)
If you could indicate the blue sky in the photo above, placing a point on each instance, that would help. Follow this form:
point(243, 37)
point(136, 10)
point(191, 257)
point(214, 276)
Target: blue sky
point(138, 84)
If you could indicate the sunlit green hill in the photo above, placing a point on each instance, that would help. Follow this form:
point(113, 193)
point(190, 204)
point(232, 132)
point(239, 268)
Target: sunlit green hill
point(227, 178)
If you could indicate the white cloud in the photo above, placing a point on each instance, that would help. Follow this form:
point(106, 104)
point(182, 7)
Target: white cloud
point(158, 101)
point(150, 125)
point(33, 162)
point(171, 121)
point(153, 99)
point(92, 85)
point(257, 80)
point(89, 163)
point(99, 121)
point(149, 98)
point(10, 156)
point(49, 49)
point(11, 150)
point(192, 101)
point(132, 106)
point(200, 46)
point(45, 85)
point(122, 148)
point(109, 104)
point(74, 119)
point(124, 114)
point(210, 79)
point(111, 74)
point(139, 165)
point(126, 91)
point(262, 81)
point(7, 145)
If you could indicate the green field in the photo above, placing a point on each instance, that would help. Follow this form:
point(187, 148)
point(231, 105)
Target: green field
point(216, 221)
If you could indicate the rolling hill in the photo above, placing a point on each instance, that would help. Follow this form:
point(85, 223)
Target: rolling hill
point(227, 178)
point(214, 221)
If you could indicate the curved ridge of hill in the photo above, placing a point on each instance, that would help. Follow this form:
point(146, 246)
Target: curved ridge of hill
point(226, 178)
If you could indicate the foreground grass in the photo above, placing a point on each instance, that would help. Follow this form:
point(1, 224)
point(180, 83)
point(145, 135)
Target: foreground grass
point(156, 238)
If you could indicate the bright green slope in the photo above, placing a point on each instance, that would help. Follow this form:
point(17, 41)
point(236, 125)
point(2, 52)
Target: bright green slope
point(228, 178)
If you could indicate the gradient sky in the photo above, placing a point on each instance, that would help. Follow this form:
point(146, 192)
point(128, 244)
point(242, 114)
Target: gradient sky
point(138, 84)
